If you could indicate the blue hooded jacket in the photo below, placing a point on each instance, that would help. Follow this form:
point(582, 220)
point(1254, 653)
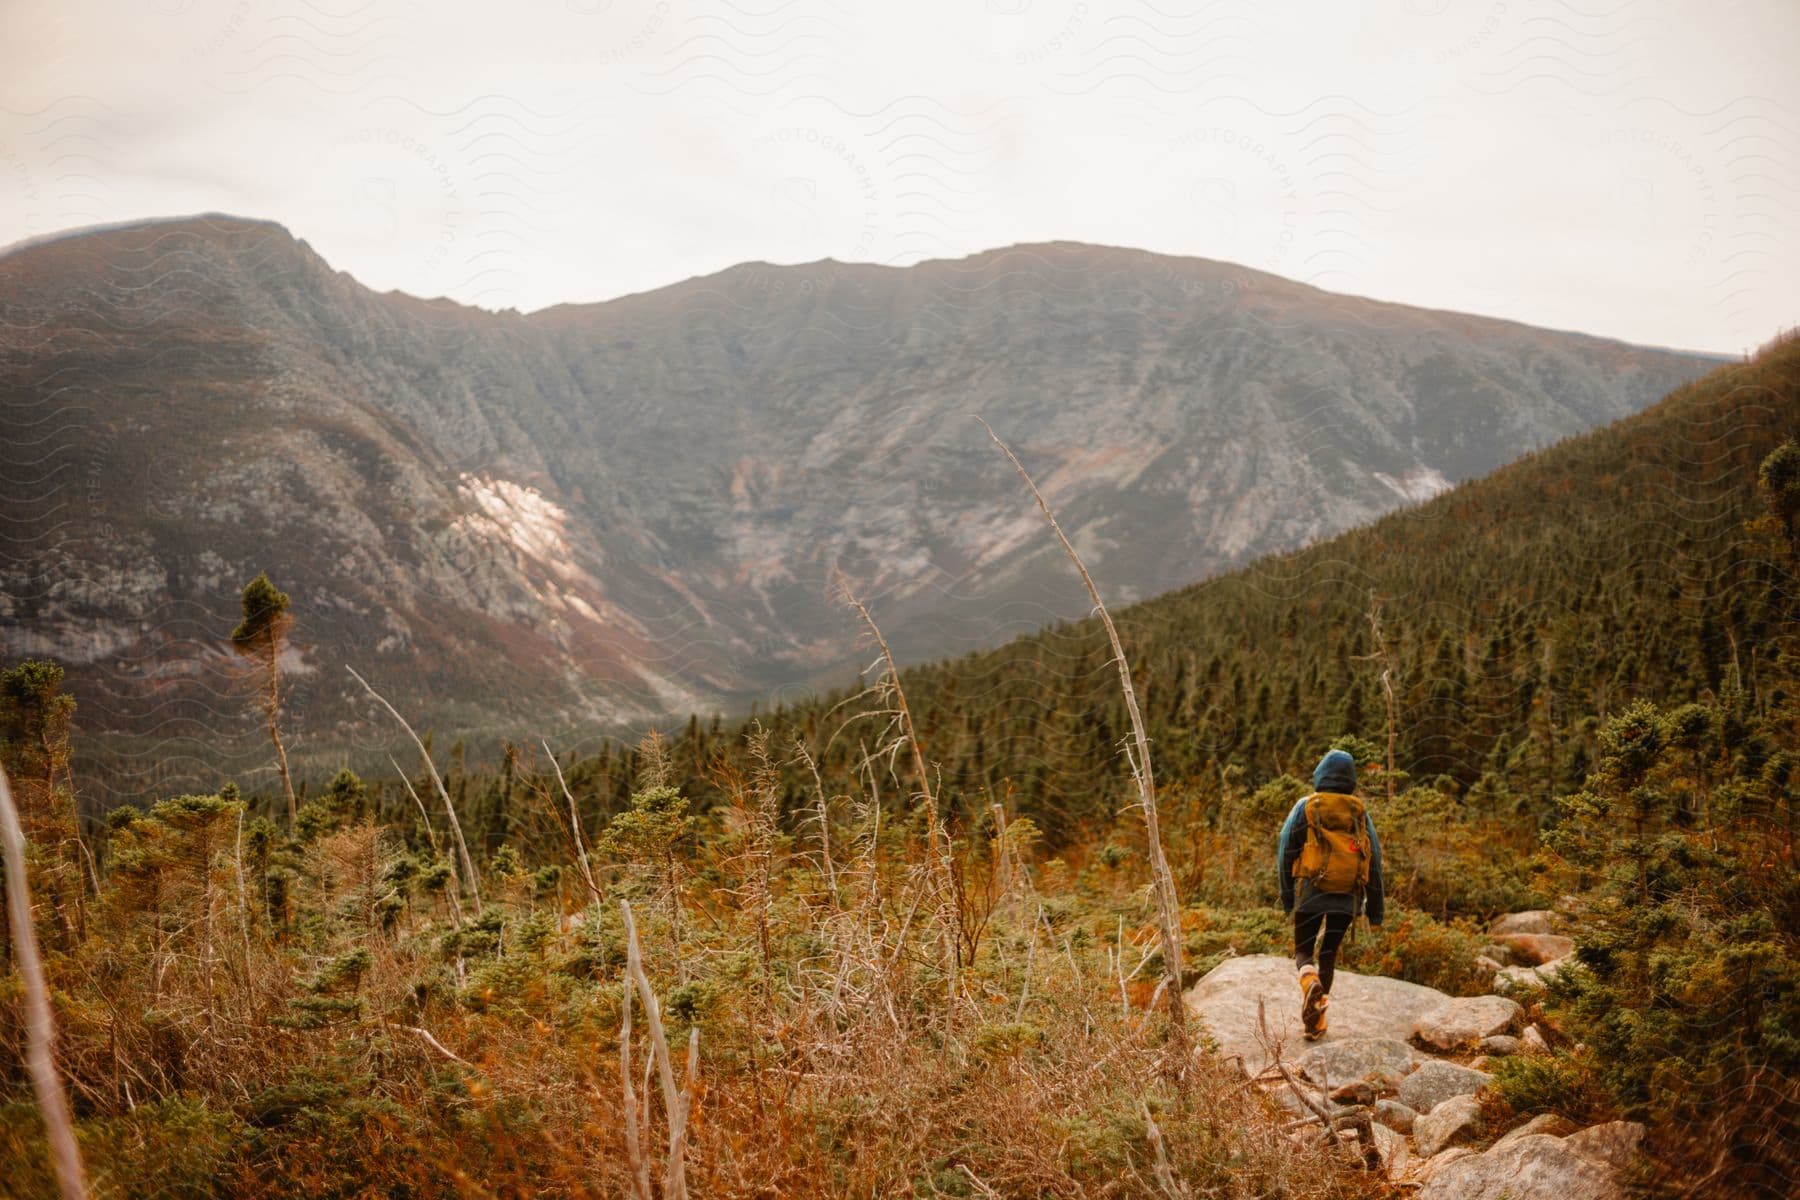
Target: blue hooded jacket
point(1336, 772)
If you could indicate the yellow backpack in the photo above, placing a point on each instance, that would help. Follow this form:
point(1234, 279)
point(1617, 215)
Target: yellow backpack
point(1335, 856)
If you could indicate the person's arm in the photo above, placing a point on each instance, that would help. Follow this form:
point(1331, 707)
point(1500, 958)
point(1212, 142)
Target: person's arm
point(1374, 901)
point(1287, 850)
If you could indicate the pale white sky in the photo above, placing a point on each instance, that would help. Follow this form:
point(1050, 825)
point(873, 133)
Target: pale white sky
point(1619, 167)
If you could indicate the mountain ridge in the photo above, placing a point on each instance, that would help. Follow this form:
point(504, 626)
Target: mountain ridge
point(217, 217)
point(606, 514)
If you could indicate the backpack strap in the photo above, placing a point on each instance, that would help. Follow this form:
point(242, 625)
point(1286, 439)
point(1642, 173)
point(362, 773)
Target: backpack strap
point(1316, 836)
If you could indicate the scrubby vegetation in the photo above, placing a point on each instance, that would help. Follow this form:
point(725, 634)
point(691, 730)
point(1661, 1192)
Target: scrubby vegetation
point(1596, 706)
point(246, 1013)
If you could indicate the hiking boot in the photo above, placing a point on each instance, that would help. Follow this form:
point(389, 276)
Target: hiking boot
point(1312, 1003)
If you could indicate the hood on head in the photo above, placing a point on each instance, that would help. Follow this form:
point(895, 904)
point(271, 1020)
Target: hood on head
point(1336, 772)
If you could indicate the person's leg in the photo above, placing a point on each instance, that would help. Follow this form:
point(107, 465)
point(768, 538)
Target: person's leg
point(1336, 925)
point(1312, 991)
point(1306, 933)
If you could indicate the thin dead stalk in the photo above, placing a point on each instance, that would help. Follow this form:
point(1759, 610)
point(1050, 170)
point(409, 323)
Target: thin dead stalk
point(634, 1146)
point(677, 1103)
point(937, 846)
point(431, 835)
point(462, 846)
point(40, 1030)
point(824, 818)
point(1165, 1173)
point(1137, 753)
point(243, 904)
point(442, 1049)
point(587, 872)
point(1387, 687)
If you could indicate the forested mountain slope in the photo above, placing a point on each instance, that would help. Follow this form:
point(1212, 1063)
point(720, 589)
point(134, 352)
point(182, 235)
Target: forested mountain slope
point(1517, 611)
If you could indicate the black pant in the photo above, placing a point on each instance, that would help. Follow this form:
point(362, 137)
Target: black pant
point(1306, 932)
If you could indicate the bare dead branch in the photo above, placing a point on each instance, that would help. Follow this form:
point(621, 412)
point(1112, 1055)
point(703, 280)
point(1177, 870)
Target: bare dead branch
point(438, 1046)
point(634, 1147)
point(587, 872)
point(462, 846)
point(1138, 755)
point(676, 1102)
point(937, 847)
point(40, 1028)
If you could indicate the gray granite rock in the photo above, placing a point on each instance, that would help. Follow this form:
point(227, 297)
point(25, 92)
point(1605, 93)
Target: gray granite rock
point(1512, 979)
point(1553, 1124)
point(1362, 1007)
point(1616, 1143)
point(1437, 1081)
point(1357, 1058)
point(1535, 921)
point(1391, 1146)
point(1395, 1115)
point(1535, 949)
point(1457, 1119)
point(1465, 1020)
point(1532, 1167)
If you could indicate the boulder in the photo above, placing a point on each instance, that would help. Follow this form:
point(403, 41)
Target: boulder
point(1553, 1124)
point(1392, 1148)
point(1437, 1081)
point(1431, 1166)
point(1337, 1062)
point(1535, 921)
point(1617, 1144)
point(1535, 949)
point(1395, 1115)
point(1533, 1167)
point(1362, 1006)
point(1500, 1045)
point(1532, 1041)
point(1464, 1020)
point(1511, 979)
point(1457, 1119)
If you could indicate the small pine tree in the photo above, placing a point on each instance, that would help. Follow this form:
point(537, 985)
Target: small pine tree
point(648, 836)
point(260, 637)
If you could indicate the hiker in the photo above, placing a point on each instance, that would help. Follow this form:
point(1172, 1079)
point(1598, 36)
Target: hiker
point(1328, 847)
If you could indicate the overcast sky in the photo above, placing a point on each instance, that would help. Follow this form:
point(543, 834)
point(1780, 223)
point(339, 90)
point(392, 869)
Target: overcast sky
point(1628, 169)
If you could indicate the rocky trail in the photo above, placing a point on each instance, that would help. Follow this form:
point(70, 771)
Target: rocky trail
point(1403, 1066)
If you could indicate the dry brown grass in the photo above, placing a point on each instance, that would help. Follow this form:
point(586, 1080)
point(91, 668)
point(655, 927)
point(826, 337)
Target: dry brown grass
point(342, 1034)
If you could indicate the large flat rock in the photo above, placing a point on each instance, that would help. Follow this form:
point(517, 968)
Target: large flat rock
point(1466, 1020)
point(1532, 1167)
point(1362, 1006)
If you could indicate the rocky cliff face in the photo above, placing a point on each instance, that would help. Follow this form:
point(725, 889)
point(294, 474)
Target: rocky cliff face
point(599, 514)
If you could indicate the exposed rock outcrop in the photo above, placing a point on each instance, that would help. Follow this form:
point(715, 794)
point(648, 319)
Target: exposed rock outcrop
point(1437, 1081)
point(1465, 1020)
point(1534, 949)
point(1339, 1060)
point(1363, 1007)
point(1593, 1164)
point(1535, 921)
point(1457, 1119)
